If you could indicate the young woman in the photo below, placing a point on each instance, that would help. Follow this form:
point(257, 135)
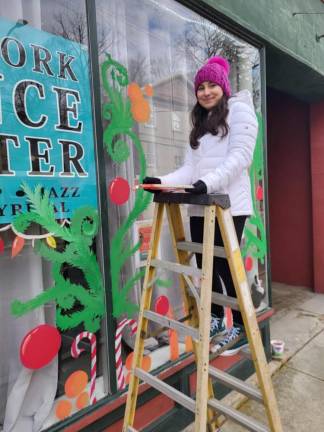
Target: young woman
point(222, 142)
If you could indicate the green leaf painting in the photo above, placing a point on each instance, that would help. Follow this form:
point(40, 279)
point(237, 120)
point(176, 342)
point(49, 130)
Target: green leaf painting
point(75, 304)
point(254, 232)
point(118, 135)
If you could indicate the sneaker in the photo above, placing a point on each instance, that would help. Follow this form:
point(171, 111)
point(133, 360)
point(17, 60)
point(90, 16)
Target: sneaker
point(217, 326)
point(236, 348)
point(233, 333)
point(257, 292)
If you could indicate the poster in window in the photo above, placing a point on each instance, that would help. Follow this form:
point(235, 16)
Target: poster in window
point(46, 134)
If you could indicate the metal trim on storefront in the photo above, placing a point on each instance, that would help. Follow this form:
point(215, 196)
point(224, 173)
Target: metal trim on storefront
point(109, 322)
point(265, 163)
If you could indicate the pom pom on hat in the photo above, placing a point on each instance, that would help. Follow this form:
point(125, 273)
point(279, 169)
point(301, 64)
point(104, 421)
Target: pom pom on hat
point(215, 70)
point(221, 61)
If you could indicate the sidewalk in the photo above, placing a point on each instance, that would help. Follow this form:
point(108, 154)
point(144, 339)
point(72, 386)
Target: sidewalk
point(298, 377)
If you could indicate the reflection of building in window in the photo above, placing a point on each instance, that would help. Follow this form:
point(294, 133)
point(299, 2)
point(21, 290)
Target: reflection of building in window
point(176, 122)
point(152, 121)
point(165, 143)
point(178, 161)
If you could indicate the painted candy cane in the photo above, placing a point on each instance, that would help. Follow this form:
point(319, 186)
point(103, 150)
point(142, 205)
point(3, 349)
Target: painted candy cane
point(76, 351)
point(119, 363)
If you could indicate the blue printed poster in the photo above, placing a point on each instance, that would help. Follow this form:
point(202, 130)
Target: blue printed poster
point(46, 133)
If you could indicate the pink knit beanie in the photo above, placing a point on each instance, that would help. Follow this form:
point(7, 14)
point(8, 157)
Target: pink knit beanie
point(215, 70)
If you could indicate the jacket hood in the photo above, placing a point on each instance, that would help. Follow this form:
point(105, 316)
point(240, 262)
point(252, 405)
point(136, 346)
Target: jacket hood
point(242, 96)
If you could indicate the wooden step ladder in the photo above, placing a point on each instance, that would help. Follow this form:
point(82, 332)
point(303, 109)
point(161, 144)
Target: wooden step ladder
point(197, 307)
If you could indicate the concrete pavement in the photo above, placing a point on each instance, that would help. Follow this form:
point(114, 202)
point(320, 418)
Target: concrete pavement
point(298, 377)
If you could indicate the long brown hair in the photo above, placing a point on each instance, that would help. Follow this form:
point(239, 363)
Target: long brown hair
point(212, 121)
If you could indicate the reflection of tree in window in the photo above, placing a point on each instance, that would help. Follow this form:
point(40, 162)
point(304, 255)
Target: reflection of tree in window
point(203, 40)
point(138, 70)
point(72, 25)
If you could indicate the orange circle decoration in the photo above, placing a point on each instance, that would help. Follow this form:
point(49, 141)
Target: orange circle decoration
point(83, 400)
point(63, 409)
point(134, 92)
point(128, 361)
point(141, 111)
point(146, 362)
point(76, 383)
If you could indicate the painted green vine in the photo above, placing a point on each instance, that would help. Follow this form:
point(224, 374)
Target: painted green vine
point(75, 304)
point(117, 136)
point(254, 232)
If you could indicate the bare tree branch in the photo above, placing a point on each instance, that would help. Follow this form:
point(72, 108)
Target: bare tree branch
point(72, 25)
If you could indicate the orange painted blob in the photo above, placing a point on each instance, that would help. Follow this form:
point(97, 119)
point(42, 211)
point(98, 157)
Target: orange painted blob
point(17, 246)
point(146, 362)
point(134, 92)
point(141, 111)
point(149, 91)
point(63, 409)
point(174, 345)
point(83, 400)
point(129, 360)
point(188, 344)
point(76, 383)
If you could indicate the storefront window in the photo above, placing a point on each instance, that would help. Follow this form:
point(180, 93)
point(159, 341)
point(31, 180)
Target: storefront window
point(155, 49)
point(51, 282)
point(52, 305)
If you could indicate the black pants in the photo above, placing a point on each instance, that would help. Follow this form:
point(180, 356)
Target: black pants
point(220, 266)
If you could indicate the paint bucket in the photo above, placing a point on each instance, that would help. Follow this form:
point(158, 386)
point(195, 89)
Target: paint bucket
point(277, 348)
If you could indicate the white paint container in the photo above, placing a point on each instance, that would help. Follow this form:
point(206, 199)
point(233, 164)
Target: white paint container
point(277, 348)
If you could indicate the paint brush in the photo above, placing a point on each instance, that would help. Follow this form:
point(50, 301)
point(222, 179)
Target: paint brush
point(155, 186)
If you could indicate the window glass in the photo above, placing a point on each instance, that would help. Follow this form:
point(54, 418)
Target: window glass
point(51, 285)
point(157, 48)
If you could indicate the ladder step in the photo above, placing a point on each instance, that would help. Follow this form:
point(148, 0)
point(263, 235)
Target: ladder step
point(225, 300)
point(166, 389)
point(177, 268)
point(218, 199)
point(171, 323)
point(236, 384)
point(250, 423)
point(197, 248)
point(219, 299)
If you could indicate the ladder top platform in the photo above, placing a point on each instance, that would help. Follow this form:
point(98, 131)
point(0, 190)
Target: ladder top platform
point(221, 200)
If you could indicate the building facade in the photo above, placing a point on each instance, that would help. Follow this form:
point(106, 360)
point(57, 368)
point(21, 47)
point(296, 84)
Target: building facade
point(94, 95)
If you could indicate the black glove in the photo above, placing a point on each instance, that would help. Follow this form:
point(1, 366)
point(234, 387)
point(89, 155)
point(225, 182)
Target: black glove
point(151, 180)
point(198, 188)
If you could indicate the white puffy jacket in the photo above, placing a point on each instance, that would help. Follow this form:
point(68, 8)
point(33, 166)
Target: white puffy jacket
point(223, 163)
